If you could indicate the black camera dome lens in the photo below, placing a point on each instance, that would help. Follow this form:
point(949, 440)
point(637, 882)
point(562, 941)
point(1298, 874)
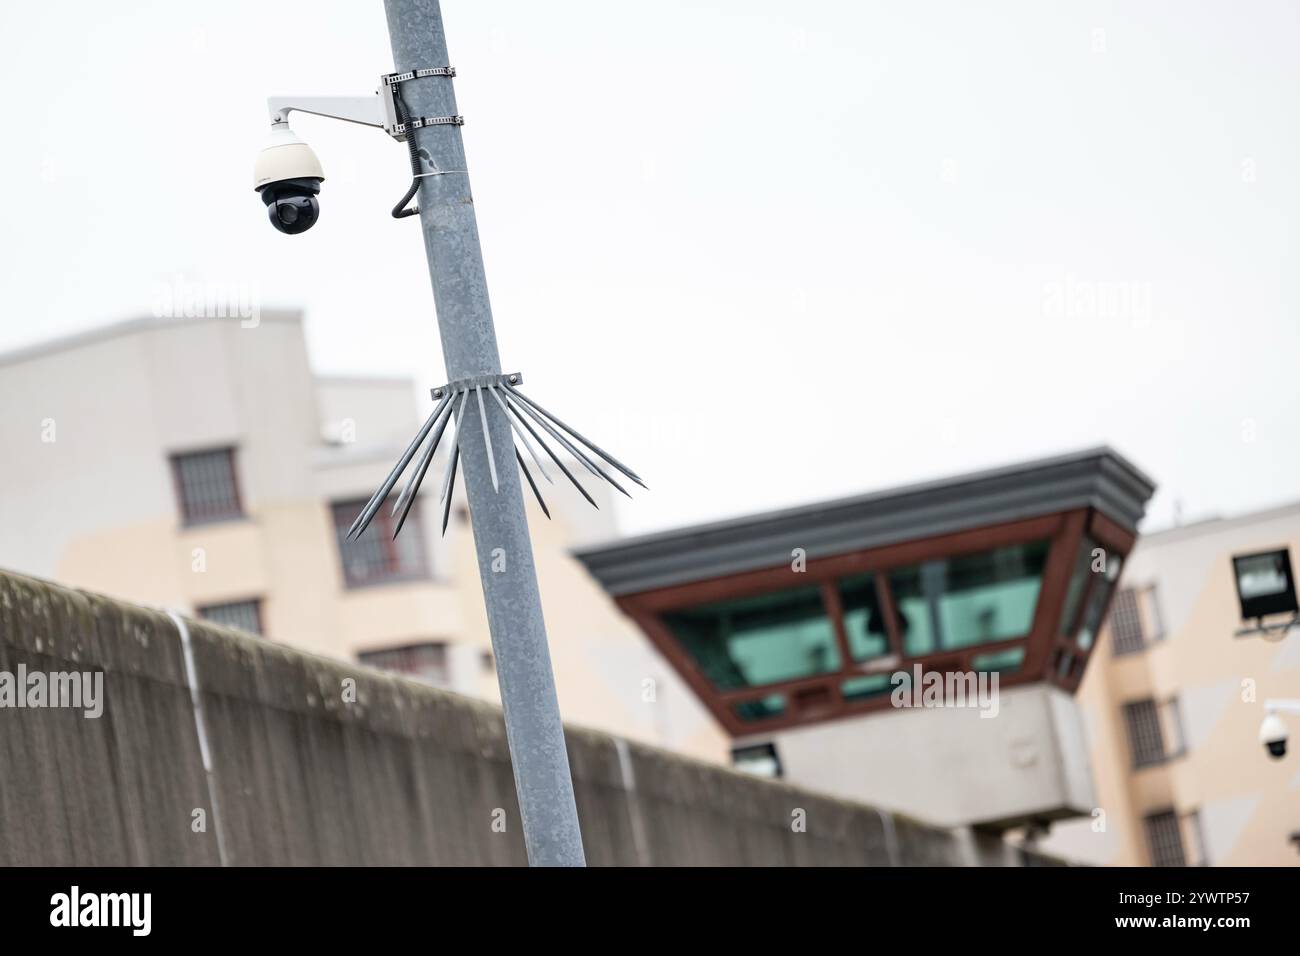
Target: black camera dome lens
point(293, 214)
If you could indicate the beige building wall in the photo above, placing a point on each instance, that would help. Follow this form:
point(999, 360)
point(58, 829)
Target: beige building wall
point(1239, 805)
point(88, 500)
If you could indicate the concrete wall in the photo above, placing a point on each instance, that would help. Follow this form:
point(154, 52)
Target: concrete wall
point(405, 775)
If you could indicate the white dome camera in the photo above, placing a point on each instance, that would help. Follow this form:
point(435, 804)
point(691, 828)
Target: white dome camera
point(288, 177)
point(1273, 735)
point(288, 174)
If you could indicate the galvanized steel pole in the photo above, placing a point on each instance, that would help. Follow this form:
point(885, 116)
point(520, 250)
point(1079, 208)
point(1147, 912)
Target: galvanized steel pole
point(469, 347)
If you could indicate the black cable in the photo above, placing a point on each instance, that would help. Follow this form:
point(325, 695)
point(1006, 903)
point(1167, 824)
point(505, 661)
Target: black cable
point(400, 211)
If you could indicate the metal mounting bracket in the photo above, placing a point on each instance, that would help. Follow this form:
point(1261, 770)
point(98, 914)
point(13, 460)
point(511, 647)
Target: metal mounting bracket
point(388, 84)
point(366, 110)
point(462, 384)
point(378, 109)
point(1270, 631)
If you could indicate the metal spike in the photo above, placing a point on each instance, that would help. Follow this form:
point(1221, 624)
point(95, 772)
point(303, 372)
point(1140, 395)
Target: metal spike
point(412, 485)
point(532, 484)
point(573, 450)
point(372, 506)
point(564, 442)
point(579, 436)
point(407, 510)
point(492, 390)
point(456, 411)
point(381, 494)
point(407, 498)
point(451, 486)
point(487, 438)
point(550, 451)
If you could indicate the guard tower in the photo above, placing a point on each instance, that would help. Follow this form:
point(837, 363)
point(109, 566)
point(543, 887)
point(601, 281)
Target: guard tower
point(852, 645)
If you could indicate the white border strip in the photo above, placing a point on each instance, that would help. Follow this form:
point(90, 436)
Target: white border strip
point(200, 726)
point(639, 840)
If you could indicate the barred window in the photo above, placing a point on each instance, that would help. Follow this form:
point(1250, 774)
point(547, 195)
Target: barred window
point(376, 557)
point(243, 615)
point(1165, 839)
point(1126, 623)
point(425, 662)
point(206, 485)
point(1146, 742)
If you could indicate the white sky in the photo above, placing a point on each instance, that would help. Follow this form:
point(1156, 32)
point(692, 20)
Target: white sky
point(765, 252)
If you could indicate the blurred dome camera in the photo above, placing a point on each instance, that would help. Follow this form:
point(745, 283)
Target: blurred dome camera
point(1273, 735)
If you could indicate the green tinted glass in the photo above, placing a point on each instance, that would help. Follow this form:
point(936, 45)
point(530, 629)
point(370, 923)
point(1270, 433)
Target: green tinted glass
point(970, 599)
point(1097, 599)
point(914, 612)
point(772, 705)
point(866, 686)
point(1078, 582)
point(749, 642)
point(1004, 662)
point(864, 625)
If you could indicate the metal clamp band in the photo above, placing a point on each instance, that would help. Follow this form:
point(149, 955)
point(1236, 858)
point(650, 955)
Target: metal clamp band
point(389, 79)
point(400, 129)
point(475, 381)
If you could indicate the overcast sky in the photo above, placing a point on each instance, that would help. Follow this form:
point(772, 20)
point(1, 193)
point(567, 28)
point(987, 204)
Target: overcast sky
point(767, 252)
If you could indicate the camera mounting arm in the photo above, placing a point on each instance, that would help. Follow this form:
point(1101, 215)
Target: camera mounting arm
point(380, 109)
point(1284, 705)
point(366, 110)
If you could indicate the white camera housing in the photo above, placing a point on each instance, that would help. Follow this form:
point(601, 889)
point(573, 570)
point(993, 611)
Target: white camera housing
point(285, 157)
point(288, 175)
point(1273, 735)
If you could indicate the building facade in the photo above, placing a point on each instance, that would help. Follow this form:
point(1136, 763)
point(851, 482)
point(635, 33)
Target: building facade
point(199, 464)
point(1173, 704)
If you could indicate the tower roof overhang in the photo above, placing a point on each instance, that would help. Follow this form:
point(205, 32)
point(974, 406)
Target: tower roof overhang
point(1097, 478)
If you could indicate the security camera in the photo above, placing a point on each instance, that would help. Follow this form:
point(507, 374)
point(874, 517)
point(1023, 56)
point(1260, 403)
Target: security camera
point(288, 176)
point(1272, 734)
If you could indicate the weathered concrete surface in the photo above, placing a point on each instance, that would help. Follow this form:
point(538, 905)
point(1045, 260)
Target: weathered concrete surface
point(113, 790)
point(306, 773)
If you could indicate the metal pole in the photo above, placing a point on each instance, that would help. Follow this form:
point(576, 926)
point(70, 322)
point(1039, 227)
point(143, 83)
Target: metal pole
point(469, 347)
